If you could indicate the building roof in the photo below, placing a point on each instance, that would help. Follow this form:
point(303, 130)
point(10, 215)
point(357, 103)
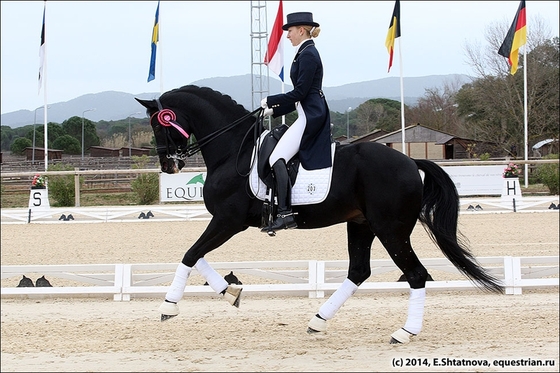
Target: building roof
point(418, 133)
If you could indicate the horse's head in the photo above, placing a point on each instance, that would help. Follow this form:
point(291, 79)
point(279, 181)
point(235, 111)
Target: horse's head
point(205, 114)
point(171, 138)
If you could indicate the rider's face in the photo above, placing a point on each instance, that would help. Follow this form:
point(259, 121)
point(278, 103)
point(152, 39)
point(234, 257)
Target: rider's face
point(296, 34)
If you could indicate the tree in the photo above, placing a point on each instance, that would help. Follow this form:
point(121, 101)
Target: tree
point(73, 127)
point(381, 113)
point(8, 135)
point(493, 105)
point(437, 109)
point(18, 145)
point(67, 144)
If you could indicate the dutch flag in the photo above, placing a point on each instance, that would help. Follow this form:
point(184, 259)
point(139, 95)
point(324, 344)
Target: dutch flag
point(274, 57)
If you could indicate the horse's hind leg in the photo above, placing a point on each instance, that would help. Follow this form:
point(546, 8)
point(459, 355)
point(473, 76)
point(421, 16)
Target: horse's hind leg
point(416, 274)
point(360, 238)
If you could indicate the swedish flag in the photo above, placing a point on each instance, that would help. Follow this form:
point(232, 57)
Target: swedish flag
point(155, 39)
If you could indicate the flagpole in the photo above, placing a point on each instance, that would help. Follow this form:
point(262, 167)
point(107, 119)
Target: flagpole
point(46, 151)
point(525, 120)
point(283, 116)
point(160, 53)
point(402, 98)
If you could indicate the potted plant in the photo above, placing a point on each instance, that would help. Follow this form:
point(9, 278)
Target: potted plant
point(38, 182)
point(511, 171)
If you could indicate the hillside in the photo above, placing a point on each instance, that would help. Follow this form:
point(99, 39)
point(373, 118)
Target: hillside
point(112, 105)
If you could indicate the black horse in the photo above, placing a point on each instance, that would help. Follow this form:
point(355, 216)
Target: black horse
point(377, 191)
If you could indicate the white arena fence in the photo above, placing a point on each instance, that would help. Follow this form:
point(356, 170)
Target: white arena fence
point(310, 278)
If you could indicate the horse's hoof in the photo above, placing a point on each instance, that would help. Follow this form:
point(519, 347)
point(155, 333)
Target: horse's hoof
point(166, 317)
point(233, 295)
point(316, 325)
point(168, 310)
point(401, 336)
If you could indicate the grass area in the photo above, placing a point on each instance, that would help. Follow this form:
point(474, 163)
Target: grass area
point(21, 200)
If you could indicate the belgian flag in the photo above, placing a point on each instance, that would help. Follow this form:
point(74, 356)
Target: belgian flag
point(394, 32)
point(515, 38)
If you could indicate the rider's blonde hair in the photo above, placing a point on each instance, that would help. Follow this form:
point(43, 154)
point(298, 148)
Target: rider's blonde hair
point(312, 31)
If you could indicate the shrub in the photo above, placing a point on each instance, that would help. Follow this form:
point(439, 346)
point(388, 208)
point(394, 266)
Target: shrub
point(68, 144)
point(145, 186)
point(61, 187)
point(19, 145)
point(548, 174)
point(485, 156)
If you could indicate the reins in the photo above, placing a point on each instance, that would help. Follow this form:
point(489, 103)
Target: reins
point(167, 118)
point(195, 148)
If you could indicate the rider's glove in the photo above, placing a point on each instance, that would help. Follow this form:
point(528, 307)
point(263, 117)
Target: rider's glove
point(268, 112)
point(264, 104)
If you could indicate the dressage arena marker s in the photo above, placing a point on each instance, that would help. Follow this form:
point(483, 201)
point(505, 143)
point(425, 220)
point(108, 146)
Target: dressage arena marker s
point(300, 277)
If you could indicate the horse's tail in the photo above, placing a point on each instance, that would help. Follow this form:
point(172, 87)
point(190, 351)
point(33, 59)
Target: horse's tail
point(439, 216)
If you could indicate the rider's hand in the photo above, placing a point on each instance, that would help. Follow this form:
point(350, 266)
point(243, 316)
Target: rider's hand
point(264, 104)
point(268, 112)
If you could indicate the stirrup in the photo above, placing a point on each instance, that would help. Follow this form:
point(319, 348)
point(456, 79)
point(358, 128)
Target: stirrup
point(282, 221)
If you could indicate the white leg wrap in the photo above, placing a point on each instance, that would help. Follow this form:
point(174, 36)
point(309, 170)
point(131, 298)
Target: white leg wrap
point(177, 288)
point(337, 299)
point(416, 303)
point(214, 279)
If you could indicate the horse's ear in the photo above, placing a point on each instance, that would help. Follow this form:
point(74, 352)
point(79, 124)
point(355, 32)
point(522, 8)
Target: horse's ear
point(148, 104)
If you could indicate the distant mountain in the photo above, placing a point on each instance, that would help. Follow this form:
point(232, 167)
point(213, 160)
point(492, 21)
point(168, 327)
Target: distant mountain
point(112, 105)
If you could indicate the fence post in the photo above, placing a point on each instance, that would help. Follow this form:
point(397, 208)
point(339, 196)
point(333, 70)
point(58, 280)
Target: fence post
point(76, 187)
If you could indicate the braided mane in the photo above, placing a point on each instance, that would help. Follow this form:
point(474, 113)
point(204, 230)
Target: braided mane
point(208, 94)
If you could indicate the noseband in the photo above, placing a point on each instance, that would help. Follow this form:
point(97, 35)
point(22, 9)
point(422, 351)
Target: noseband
point(167, 118)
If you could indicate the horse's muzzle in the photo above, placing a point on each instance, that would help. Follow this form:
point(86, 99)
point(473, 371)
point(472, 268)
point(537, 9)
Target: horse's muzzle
point(170, 166)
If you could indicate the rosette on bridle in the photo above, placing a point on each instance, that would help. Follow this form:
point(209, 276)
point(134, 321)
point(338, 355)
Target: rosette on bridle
point(167, 118)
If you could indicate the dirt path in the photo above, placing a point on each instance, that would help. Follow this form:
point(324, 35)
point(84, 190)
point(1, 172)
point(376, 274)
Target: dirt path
point(267, 333)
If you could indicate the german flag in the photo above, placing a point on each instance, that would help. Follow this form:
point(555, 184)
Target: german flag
point(394, 32)
point(515, 38)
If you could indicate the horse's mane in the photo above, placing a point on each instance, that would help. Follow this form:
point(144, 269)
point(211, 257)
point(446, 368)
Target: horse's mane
point(207, 94)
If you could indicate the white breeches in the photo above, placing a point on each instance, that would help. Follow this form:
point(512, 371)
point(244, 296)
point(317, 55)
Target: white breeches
point(288, 145)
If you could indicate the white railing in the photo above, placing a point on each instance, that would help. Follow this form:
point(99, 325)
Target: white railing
point(302, 277)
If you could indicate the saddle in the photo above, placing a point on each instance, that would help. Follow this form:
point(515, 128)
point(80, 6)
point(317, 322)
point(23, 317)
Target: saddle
point(309, 186)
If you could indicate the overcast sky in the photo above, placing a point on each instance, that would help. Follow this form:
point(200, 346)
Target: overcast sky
point(96, 46)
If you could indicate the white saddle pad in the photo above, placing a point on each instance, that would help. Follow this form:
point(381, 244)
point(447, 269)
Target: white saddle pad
point(310, 187)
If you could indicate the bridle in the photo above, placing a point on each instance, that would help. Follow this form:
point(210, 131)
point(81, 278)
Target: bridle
point(167, 119)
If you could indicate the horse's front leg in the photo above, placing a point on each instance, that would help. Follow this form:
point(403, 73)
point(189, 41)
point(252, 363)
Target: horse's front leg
point(360, 238)
point(215, 235)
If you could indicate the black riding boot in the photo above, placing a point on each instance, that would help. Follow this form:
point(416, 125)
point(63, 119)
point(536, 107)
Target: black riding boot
point(285, 216)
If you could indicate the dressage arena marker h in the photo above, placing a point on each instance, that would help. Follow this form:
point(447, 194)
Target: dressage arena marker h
point(300, 277)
